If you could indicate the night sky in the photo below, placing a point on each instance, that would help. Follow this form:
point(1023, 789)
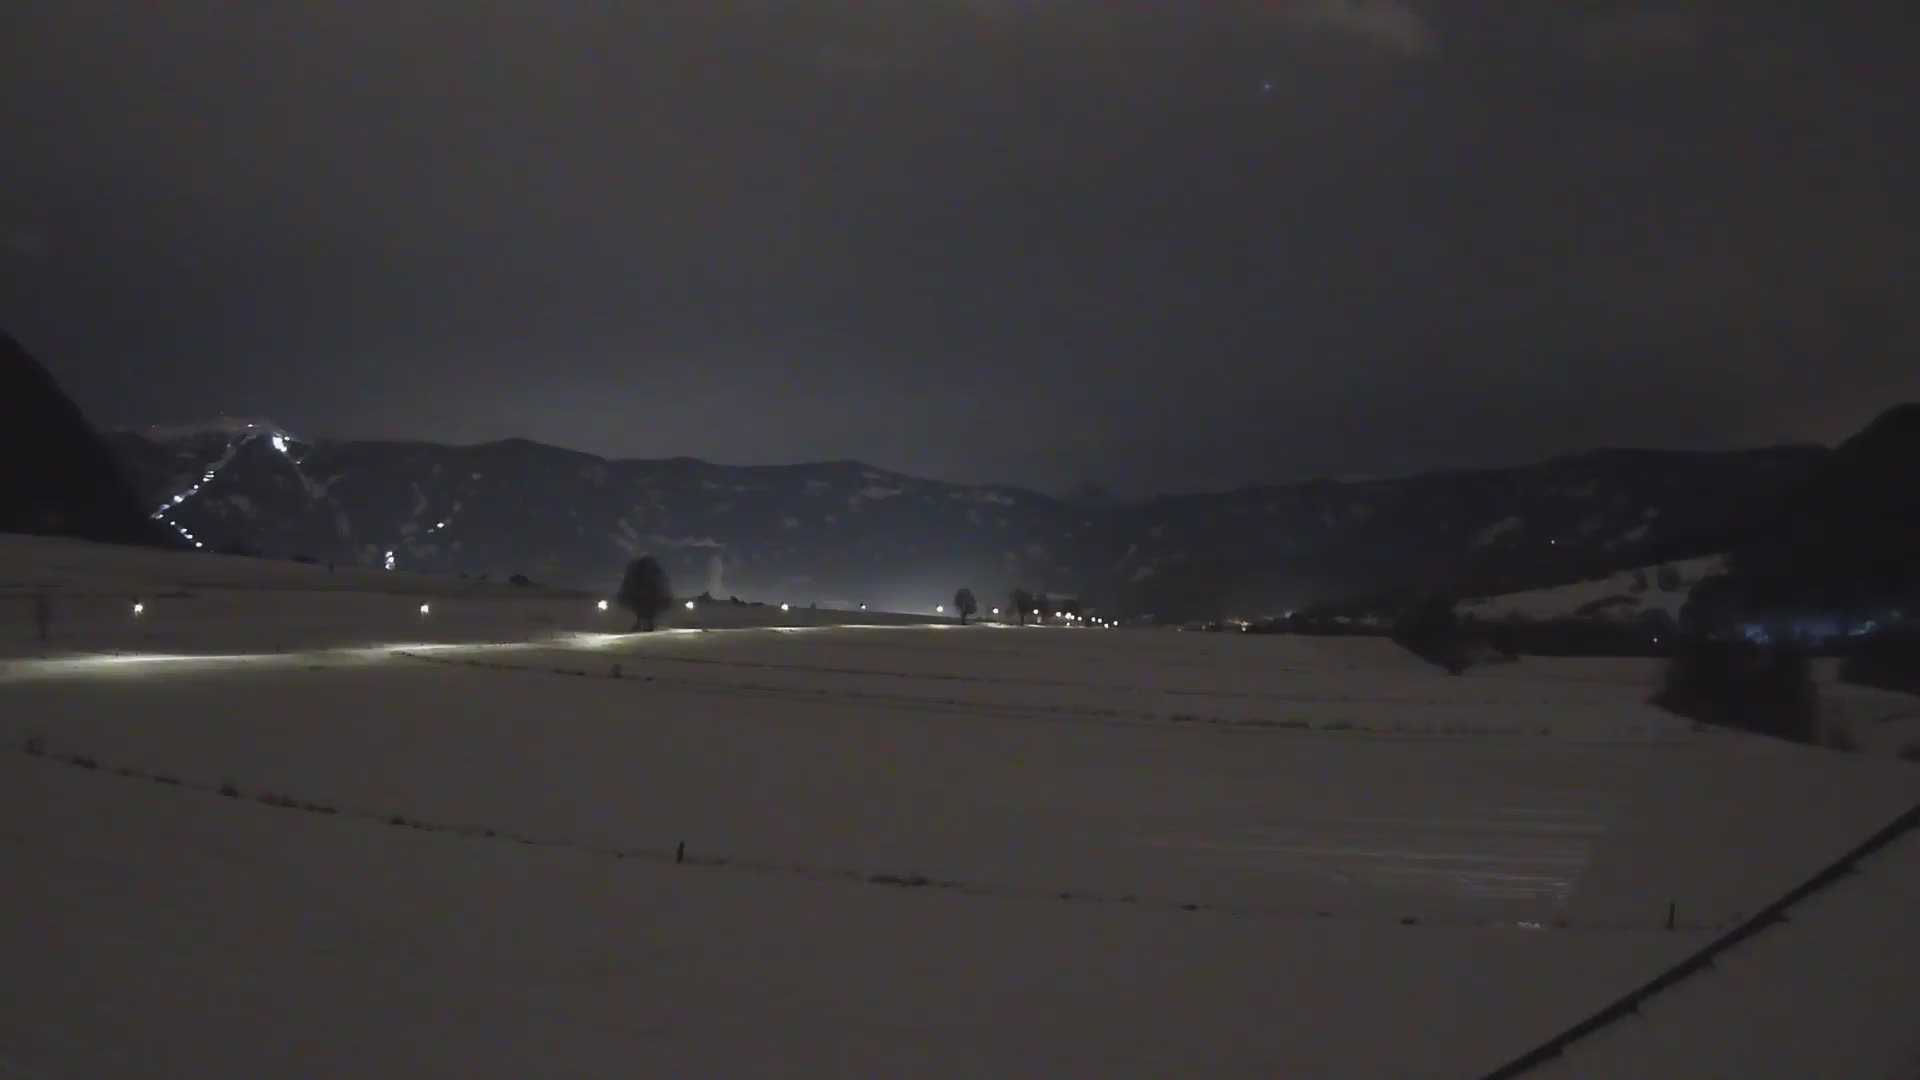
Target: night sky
point(1158, 245)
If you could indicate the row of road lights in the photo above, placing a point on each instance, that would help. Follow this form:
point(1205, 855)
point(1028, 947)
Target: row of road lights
point(426, 609)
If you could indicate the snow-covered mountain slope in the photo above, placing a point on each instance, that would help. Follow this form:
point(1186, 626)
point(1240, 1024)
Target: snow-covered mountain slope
point(840, 532)
point(1621, 597)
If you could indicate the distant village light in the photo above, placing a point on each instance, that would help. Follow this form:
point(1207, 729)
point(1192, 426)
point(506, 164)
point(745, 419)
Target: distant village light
point(689, 605)
point(138, 608)
point(602, 605)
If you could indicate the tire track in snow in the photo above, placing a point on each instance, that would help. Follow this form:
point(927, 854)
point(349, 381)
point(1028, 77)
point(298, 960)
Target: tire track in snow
point(679, 854)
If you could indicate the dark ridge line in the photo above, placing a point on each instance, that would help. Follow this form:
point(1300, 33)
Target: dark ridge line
point(36, 748)
point(1771, 915)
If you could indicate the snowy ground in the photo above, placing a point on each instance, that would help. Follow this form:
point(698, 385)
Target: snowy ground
point(910, 849)
point(1633, 592)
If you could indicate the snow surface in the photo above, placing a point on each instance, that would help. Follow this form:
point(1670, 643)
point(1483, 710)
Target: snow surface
point(913, 848)
point(1564, 601)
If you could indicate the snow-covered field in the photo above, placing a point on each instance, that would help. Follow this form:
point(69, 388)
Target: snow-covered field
point(909, 848)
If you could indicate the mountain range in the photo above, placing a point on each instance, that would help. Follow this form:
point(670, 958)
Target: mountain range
point(840, 533)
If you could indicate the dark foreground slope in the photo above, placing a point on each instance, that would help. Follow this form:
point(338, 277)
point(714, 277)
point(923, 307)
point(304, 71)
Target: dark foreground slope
point(1848, 538)
point(57, 477)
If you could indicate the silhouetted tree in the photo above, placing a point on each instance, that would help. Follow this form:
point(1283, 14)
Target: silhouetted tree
point(1735, 684)
point(645, 591)
point(1710, 607)
point(1431, 631)
point(1022, 602)
point(1888, 659)
point(1668, 579)
point(965, 604)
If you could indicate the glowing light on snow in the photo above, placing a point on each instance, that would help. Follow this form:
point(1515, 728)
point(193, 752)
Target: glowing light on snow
point(279, 442)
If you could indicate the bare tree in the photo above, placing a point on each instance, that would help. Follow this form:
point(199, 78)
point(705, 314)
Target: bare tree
point(645, 591)
point(1022, 602)
point(965, 604)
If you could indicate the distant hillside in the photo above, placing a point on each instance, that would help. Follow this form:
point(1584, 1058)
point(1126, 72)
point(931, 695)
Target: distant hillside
point(57, 478)
point(844, 532)
point(1647, 592)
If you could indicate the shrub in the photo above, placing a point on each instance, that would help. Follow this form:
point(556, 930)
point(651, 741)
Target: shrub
point(1766, 691)
point(1431, 631)
point(1888, 660)
point(965, 604)
point(517, 579)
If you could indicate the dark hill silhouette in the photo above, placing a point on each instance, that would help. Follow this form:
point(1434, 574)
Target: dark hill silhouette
point(57, 478)
point(1847, 537)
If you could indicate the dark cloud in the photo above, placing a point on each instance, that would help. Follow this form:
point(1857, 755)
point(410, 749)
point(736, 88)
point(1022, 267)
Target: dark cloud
point(1042, 241)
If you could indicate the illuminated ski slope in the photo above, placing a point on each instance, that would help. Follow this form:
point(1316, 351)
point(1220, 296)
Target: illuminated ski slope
point(239, 438)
